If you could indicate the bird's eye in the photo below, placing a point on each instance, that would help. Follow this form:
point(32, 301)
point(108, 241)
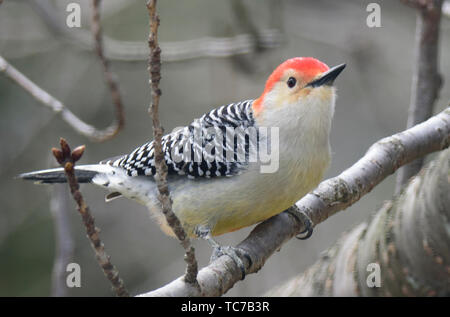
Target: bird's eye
point(291, 82)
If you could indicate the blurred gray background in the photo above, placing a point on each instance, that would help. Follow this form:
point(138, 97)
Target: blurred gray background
point(373, 101)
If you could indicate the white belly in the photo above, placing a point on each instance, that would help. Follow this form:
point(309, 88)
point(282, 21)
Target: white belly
point(226, 204)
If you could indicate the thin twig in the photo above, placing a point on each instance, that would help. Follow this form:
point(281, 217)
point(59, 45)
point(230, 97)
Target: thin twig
point(109, 77)
point(54, 104)
point(67, 159)
point(154, 68)
point(58, 107)
point(426, 79)
point(332, 195)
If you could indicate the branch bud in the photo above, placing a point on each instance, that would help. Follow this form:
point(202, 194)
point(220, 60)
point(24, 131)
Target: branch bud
point(58, 155)
point(65, 148)
point(78, 153)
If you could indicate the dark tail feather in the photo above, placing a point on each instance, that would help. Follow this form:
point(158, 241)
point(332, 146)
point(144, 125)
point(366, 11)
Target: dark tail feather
point(57, 175)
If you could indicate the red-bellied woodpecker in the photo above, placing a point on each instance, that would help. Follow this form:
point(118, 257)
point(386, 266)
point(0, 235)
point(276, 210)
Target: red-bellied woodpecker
point(220, 175)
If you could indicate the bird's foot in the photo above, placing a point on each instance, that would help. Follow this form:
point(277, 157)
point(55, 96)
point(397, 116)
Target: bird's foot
point(303, 218)
point(234, 253)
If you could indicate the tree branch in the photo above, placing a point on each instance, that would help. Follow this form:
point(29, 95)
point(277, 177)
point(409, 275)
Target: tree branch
point(205, 47)
point(55, 105)
point(59, 207)
point(67, 159)
point(407, 238)
point(110, 79)
point(426, 80)
point(160, 164)
point(335, 194)
point(59, 108)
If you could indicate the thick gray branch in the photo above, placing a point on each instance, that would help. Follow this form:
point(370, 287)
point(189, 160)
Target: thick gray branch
point(381, 160)
point(408, 238)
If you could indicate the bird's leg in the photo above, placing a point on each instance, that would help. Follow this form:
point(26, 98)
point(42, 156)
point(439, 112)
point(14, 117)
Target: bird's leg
point(219, 250)
point(303, 218)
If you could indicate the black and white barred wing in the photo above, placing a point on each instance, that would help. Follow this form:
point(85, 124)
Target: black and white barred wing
point(220, 143)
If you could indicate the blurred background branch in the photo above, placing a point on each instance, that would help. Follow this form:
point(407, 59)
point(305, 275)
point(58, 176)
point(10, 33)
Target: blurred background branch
point(60, 209)
point(47, 100)
point(426, 81)
point(96, 29)
point(203, 47)
point(58, 107)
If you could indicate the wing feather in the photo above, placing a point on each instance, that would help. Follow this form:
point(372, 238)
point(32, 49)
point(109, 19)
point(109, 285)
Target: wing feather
point(191, 151)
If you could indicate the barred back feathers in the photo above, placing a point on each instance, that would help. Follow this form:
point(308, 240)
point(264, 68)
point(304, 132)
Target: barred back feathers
point(185, 150)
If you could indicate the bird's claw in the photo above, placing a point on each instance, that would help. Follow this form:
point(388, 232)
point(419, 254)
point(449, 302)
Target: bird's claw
point(307, 222)
point(234, 253)
point(307, 233)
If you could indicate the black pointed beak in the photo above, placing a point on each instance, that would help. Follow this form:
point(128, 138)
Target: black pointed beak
point(328, 77)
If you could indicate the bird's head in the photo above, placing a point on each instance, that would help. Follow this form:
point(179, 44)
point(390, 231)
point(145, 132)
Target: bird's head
point(299, 83)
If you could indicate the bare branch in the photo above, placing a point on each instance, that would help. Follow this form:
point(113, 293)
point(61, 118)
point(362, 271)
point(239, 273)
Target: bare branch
point(58, 107)
point(110, 79)
point(407, 238)
point(335, 194)
point(244, 18)
point(67, 159)
point(55, 105)
point(426, 79)
point(205, 47)
point(59, 206)
point(160, 164)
